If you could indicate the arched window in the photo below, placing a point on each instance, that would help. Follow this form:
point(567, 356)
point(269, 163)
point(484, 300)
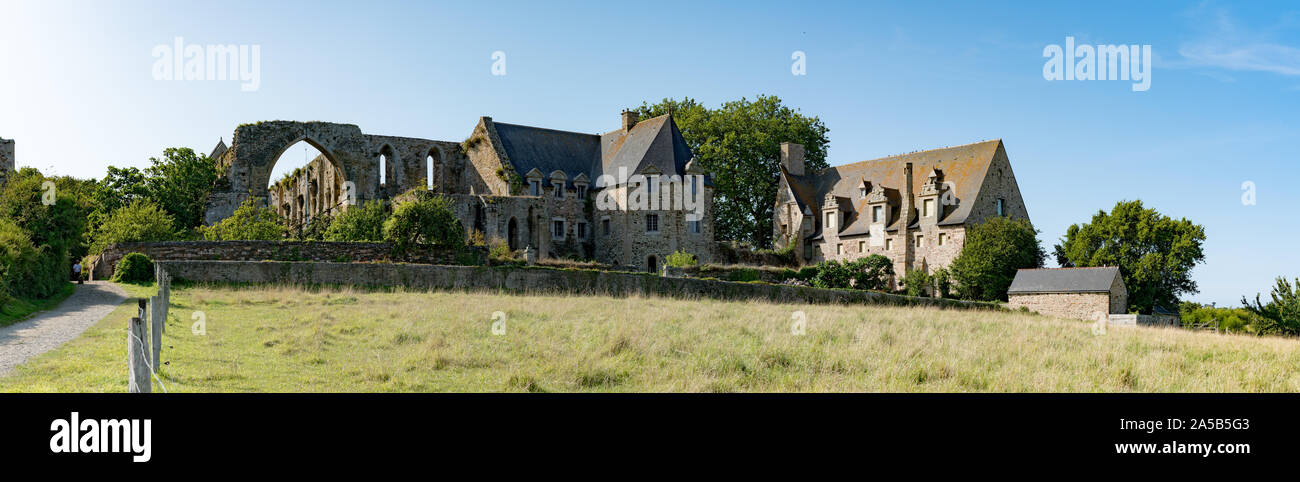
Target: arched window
point(383, 169)
point(428, 177)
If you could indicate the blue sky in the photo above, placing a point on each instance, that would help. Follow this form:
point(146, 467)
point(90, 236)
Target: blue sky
point(77, 89)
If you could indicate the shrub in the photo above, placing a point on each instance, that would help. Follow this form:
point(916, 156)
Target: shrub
point(916, 281)
point(942, 282)
point(361, 223)
point(140, 221)
point(17, 257)
point(832, 274)
point(316, 228)
point(249, 223)
point(744, 275)
point(1281, 315)
point(871, 273)
point(992, 254)
point(681, 259)
point(134, 268)
point(499, 251)
point(427, 221)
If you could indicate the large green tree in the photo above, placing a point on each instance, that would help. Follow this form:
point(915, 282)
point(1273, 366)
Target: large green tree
point(180, 183)
point(1282, 314)
point(739, 145)
point(1154, 253)
point(992, 253)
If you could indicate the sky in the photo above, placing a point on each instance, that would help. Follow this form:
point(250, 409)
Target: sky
point(80, 89)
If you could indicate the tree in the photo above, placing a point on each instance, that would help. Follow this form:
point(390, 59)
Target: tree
point(360, 223)
point(140, 221)
point(1154, 253)
point(993, 252)
point(180, 182)
point(249, 222)
point(1282, 314)
point(49, 212)
point(739, 145)
point(427, 221)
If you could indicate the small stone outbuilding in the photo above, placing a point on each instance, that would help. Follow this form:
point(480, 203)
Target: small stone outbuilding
point(1081, 293)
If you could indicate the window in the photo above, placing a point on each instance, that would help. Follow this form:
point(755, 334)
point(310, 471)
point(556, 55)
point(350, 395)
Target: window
point(830, 221)
point(694, 227)
point(383, 169)
point(783, 229)
point(582, 230)
point(652, 223)
point(1000, 206)
point(428, 166)
point(557, 229)
point(920, 241)
point(927, 208)
point(862, 193)
point(862, 246)
point(839, 248)
point(534, 187)
point(559, 190)
point(942, 238)
point(582, 192)
point(604, 226)
point(877, 214)
point(889, 245)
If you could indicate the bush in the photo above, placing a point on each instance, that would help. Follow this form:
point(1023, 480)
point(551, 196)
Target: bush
point(249, 223)
point(943, 282)
point(832, 274)
point(993, 252)
point(428, 221)
point(140, 221)
point(17, 258)
point(316, 228)
point(916, 281)
point(871, 273)
point(499, 252)
point(1281, 315)
point(682, 259)
point(744, 275)
point(362, 223)
point(133, 268)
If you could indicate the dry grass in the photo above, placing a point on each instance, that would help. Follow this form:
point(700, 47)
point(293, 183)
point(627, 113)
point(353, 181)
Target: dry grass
point(296, 340)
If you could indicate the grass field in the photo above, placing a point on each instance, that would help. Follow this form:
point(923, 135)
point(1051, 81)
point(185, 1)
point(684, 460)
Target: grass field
point(18, 309)
point(286, 339)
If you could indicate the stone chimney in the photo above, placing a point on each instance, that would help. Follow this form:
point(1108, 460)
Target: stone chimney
point(629, 119)
point(792, 157)
point(905, 213)
point(6, 158)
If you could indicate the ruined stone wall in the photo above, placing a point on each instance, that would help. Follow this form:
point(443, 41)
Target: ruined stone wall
point(489, 170)
point(102, 267)
point(530, 280)
point(629, 242)
point(1081, 306)
point(7, 161)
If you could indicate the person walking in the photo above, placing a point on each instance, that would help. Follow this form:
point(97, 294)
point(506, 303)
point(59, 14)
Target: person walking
point(76, 270)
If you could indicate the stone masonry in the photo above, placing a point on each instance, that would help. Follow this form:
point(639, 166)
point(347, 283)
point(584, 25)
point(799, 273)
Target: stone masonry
point(6, 159)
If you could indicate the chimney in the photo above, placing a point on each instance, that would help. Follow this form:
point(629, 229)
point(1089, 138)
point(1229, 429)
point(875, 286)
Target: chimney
point(629, 119)
point(906, 214)
point(792, 157)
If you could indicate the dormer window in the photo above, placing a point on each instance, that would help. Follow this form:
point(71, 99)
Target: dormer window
point(559, 189)
point(830, 221)
point(582, 192)
point(535, 187)
point(580, 185)
point(877, 214)
point(927, 208)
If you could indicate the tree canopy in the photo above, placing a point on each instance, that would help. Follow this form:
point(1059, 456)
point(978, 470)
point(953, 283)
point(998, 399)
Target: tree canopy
point(994, 250)
point(739, 145)
point(1154, 252)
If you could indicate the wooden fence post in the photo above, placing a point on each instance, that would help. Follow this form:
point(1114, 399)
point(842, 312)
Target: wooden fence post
point(138, 372)
point(155, 329)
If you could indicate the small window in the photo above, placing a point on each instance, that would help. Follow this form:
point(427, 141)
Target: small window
point(582, 230)
point(694, 227)
point(604, 226)
point(877, 214)
point(839, 249)
point(920, 241)
point(557, 229)
point(652, 223)
point(830, 221)
point(862, 193)
point(582, 192)
point(534, 187)
point(927, 208)
point(942, 238)
point(889, 244)
point(559, 190)
point(862, 246)
point(1001, 204)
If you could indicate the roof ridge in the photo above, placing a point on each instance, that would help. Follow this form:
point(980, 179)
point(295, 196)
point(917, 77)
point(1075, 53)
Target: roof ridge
point(546, 129)
point(858, 163)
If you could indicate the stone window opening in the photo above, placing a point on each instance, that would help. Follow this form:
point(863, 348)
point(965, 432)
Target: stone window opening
point(927, 208)
point(557, 228)
point(582, 191)
point(582, 230)
point(428, 172)
point(604, 226)
point(889, 244)
point(534, 187)
point(693, 227)
point(559, 189)
point(941, 238)
point(1001, 207)
point(652, 223)
point(383, 169)
point(862, 246)
point(839, 249)
point(877, 214)
point(920, 241)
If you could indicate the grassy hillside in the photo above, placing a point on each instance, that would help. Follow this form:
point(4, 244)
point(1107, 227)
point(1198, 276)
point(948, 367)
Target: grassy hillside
point(289, 339)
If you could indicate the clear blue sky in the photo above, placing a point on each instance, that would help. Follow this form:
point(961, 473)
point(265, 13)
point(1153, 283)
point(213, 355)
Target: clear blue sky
point(78, 94)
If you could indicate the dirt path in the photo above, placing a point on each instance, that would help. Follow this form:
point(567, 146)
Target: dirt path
point(50, 329)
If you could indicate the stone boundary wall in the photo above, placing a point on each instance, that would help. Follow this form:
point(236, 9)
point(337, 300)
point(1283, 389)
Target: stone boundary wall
point(101, 268)
point(529, 280)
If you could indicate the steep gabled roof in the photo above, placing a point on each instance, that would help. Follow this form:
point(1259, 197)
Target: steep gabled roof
point(549, 150)
point(1064, 280)
point(654, 142)
point(965, 167)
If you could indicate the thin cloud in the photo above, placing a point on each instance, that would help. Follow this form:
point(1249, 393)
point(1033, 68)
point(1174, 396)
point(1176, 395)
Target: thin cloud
point(1225, 45)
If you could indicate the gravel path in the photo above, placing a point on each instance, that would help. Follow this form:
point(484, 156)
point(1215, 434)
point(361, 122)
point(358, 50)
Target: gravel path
point(49, 329)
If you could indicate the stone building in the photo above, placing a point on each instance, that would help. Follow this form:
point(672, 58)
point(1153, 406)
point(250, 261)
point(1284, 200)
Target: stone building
point(912, 208)
point(565, 194)
point(6, 159)
point(1081, 293)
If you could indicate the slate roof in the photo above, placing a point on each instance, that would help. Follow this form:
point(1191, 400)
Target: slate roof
point(1064, 280)
point(964, 166)
point(656, 141)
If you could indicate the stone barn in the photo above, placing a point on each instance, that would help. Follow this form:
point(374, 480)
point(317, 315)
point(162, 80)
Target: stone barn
point(1081, 293)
